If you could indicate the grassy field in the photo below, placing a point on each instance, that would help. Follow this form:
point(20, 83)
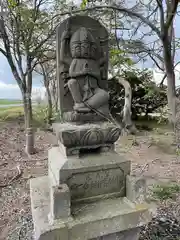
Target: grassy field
point(9, 101)
point(15, 113)
point(10, 113)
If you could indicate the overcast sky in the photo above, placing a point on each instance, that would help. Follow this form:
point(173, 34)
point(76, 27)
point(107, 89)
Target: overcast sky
point(9, 88)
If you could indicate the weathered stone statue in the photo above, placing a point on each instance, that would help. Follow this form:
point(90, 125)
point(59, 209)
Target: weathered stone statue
point(85, 71)
point(88, 193)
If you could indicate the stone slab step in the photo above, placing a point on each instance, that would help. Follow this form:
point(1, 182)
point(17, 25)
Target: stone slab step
point(88, 221)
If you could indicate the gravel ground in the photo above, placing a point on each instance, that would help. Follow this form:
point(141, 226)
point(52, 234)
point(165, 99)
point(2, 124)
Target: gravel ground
point(164, 226)
point(15, 216)
point(16, 168)
point(23, 230)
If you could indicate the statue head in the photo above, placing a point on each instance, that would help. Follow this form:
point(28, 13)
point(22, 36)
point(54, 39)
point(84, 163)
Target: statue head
point(83, 44)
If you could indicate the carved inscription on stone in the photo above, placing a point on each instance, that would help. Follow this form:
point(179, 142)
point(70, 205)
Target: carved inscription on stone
point(95, 183)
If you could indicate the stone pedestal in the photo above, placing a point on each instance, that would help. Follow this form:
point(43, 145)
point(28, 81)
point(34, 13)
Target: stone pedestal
point(87, 194)
point(132, 234)
point(113, 218)
point(84, 195)
point(76, 139)
point(59, 201)
point(90, 176)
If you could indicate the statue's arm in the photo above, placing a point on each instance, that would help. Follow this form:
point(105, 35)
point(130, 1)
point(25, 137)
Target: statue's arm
point(103, 59)
point(63, 58)
point(103, 62)
point(64, 40)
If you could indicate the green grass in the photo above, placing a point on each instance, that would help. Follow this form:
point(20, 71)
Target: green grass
point(10, 113)
point(8, 101)
point(164, 192)
point(10, 108)
point(40, 114)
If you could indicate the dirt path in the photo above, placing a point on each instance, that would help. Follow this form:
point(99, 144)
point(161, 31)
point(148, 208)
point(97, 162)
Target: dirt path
point(14, 199)
point(152, 155)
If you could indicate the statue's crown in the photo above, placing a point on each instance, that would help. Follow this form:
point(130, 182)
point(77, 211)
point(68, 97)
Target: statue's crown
point(82, 35)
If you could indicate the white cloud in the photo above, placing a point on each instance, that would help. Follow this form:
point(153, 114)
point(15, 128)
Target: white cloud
point(8, 86)
point(12, 91)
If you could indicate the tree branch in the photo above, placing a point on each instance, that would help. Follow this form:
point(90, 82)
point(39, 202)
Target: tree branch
point(157, 64)
point(16, 47)
point(8, 54)
point(3, 52)
point(161, 11)
point(165, 75)
point(162, 81)
point(171, 14)
point(130, 12)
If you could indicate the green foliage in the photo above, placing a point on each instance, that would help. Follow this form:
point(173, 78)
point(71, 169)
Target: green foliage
point(119, 57)
point(8, 101)
point(164, 192)
point(147, 97)
point(83, 4)
point(29, 26)
point(40, 115)
point(12, 4)
point(114, 52)
point(164, 113)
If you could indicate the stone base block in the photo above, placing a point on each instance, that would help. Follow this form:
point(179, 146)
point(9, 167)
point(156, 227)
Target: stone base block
point(89, 221)
point(91, 176)
point(56, 161)
point(74, 138)
point(131, 234)
point(136, 189)
point(60, 201)
point(80, 150)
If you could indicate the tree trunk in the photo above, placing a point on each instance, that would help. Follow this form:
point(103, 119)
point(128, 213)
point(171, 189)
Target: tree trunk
point(171, 96)
point(28, 124)
point(173, 101)
point(54, 94)
point(177, 124)
point(50, 112)
point(28, 116)
point(171, 88)
point(27, 110)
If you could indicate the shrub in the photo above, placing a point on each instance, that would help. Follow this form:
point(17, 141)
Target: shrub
point(147, 97)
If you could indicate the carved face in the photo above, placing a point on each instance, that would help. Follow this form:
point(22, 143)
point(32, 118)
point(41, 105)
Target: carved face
point(76, 50)
point(85, 50)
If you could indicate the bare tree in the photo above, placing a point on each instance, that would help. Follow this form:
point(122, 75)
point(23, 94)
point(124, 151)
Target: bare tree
point(24, 31)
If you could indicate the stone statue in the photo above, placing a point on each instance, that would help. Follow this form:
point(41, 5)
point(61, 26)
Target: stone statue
point(84, 72)
point(83, 68)
point(86, 174)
